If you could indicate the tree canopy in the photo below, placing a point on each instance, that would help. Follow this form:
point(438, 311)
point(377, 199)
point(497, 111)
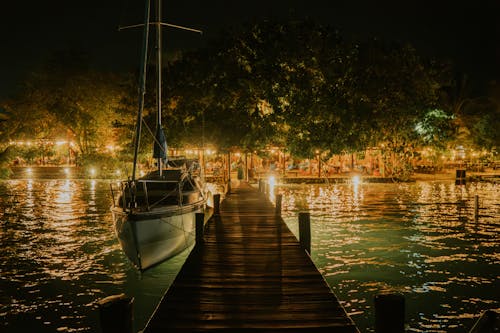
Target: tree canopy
point(300, 85)
point(294, 84)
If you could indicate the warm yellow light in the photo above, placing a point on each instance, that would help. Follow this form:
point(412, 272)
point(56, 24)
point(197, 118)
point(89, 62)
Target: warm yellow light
point(60, 143)
point(92, 172)
point(356, 180)
point(66, 171)
point(272, 184)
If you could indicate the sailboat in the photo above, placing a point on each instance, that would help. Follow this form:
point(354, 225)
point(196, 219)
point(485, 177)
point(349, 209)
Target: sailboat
point(154, 215)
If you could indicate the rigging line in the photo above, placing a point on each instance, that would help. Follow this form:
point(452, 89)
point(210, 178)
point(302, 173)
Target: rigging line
point(163, 198)
point(162, 24)
point(179, 27)
point(142, 88)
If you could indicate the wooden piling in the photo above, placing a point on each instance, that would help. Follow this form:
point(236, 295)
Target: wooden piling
point(460, 177)
point(279, 198)
point(305, 231)
point(200, 224)
point(116, 314)
point(476, 208)
point(216, 204)
point(389, 313)
point(264, 187)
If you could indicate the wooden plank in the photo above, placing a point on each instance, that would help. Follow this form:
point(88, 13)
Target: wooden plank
point(249, 274)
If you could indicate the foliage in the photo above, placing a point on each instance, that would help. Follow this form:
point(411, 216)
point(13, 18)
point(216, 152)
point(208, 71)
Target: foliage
point(435, 126)
point(294, 84)
point(300, 85)
point(61, 102)
point(4, 163)
point(475, 116)
point(214, 99)
point(480, 116)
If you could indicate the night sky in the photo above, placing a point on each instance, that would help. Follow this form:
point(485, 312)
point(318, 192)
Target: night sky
point(468, 32)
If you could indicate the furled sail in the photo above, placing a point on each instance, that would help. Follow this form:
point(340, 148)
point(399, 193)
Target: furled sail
point(160, 145)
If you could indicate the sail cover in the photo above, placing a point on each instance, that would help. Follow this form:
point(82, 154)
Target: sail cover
point(160, 145)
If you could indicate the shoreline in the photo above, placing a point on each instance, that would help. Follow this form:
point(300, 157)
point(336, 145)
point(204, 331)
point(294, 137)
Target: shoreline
point(449, 175)
point(61, 172)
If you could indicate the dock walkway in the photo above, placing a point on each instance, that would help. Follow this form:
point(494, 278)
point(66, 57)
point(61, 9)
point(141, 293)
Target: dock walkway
point(249, 274)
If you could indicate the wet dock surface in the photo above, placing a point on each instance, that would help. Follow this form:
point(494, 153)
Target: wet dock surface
point(249, 274)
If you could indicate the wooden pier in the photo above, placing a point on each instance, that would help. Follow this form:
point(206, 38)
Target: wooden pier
point(249, 274)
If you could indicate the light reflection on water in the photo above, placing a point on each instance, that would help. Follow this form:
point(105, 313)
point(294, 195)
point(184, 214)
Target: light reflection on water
point(60, 255)
point(418, 239)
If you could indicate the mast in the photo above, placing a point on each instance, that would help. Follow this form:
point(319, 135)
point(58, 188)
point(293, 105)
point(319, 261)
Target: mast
point(158, 91)
point(160, 145)
point(142, 87)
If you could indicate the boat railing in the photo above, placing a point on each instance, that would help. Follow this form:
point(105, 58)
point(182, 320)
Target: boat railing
point(128, 193)
point(165, 196)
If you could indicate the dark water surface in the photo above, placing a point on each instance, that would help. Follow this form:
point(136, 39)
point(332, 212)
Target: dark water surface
point(60, 255)
point(417, 239)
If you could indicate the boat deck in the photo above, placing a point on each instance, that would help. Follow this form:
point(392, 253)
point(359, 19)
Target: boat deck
point(249, 274)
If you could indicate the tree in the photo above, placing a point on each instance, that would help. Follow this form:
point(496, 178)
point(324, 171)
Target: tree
point(66, 101)
point(397, 91)
point(300, 85)
point(214, 98)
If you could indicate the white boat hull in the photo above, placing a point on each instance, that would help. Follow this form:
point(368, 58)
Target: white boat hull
point(149, 238)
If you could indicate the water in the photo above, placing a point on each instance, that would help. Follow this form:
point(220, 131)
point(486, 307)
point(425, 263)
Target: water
point(60, 255)
point(419, 239)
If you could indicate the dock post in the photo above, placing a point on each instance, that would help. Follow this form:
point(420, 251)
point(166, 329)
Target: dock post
point(217, 204)
point(228, 186)
point(460, 177)
point(279, 198)
point(261, 190)
point(305, 231)
point(200, 223)
point(476, 208)
point(116, 314)
point(389, 313)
